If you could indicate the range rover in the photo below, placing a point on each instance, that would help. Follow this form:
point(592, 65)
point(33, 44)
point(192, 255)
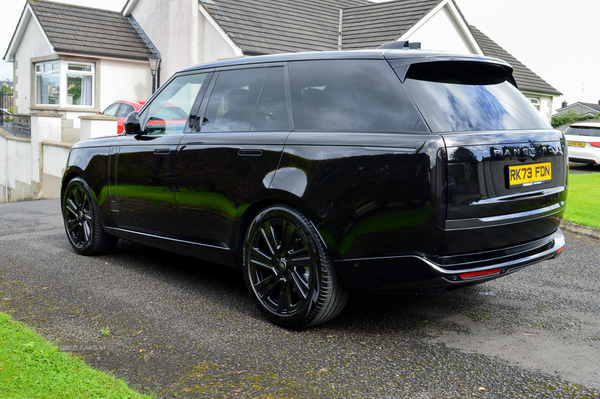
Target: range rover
point(320, 174)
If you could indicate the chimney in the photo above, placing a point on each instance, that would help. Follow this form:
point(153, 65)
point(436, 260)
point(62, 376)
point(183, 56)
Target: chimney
point(564, 104)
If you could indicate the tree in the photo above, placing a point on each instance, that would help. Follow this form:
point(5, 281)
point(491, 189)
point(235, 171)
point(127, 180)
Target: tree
point(7, 90)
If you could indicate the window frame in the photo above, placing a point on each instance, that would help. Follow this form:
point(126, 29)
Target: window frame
point(63, 71)
point(203, 102)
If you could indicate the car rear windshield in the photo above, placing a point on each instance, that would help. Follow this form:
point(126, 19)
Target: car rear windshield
point(583, 131)
point(458, 96)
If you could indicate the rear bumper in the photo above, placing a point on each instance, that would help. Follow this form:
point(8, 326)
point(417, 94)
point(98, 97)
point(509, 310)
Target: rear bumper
point(415, 272)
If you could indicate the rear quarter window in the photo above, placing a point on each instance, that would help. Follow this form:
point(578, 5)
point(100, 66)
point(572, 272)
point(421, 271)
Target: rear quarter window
point(457, 96)
point(350, 95)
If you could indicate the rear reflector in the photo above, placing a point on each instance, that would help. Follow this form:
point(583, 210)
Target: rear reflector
point(595, 144)
point(560, 250)
point(481, 273)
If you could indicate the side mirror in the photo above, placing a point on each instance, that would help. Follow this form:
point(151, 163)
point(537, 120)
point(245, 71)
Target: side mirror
point(132, 123)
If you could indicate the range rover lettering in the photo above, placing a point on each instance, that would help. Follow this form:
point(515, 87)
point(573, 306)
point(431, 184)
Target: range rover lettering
point(320, 174)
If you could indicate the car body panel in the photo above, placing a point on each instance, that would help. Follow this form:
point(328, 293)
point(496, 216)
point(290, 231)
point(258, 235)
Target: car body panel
point(583, 139)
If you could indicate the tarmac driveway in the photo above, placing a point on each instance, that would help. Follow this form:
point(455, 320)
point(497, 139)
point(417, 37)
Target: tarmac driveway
point(187, 329)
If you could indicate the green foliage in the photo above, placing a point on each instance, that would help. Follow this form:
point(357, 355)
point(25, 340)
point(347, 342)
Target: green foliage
point(11, 110)
point(75, 90)
point(582, 203)
point(31, 367)
point(570, 117)
point(7, 90)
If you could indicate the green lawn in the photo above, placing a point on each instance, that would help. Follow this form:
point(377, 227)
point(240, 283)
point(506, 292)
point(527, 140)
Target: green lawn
point(31, 367)
point(583, 202)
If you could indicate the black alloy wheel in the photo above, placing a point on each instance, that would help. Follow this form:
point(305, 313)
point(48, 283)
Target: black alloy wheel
point(288, 271)
point(82, 220)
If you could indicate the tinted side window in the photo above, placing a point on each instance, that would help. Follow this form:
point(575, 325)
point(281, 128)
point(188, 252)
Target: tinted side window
point(350, 95)
point(271, 112)
point(169, 111)
point(125, 110)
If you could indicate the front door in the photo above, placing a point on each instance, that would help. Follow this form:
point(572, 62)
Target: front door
point(144, 183)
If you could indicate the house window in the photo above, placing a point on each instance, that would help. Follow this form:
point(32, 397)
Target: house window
point(47, 82)
point(535, 102)
point(64, 83)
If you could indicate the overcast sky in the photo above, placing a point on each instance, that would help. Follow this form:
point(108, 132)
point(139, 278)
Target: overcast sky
point(554, 38)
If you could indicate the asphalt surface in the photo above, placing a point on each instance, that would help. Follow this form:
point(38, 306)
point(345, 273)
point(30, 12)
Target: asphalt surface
point(581, 168)
point(182, 328)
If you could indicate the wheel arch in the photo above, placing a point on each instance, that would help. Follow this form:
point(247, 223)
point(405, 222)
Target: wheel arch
point(283, 198)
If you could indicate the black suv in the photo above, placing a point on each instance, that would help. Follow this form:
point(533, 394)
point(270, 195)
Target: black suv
point(323, 173)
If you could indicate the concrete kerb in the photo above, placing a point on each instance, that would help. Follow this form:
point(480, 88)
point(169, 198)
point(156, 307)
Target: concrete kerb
point(580, 230)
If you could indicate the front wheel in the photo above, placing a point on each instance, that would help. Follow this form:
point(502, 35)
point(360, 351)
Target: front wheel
point(82, 220)
point(288, 271)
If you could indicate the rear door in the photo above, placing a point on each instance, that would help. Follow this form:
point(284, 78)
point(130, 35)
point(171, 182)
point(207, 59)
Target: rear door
point(228, 162)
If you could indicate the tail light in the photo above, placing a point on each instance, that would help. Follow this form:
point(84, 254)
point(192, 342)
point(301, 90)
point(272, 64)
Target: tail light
point(479, 273)
point(595, 144)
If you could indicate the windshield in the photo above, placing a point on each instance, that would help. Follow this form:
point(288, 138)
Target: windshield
point(457, 96)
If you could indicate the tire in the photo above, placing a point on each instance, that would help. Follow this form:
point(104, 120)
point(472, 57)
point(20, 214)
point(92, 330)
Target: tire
point(82, 220)
point(289, 272)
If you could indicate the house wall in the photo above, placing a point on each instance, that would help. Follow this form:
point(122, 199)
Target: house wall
point(36, 46)
point(33, 168)
point(16, 169)
point(167, 22)
point(442, 33)
point(123, 80)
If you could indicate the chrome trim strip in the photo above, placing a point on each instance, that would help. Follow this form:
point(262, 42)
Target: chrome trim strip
point(516, 197)
point(131, 232)
point(557, 237)
point(522, 214)
point(491, 221)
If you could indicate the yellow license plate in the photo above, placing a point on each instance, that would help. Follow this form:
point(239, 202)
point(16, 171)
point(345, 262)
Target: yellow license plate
point(529, 175)
point(576, 144)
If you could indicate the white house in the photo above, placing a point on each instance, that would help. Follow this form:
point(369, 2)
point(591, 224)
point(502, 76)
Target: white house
point(76, 60)
point(189, 32)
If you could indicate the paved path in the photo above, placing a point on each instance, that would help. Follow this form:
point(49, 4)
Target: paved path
point(187, 329)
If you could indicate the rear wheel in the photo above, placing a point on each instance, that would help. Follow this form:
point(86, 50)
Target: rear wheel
point(288, 271)
point(82, 220)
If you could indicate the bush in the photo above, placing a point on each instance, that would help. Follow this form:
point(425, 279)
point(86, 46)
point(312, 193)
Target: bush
point(570, 117)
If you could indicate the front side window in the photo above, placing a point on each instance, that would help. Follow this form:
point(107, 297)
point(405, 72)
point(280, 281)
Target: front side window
point(125, 110)
point(170, 109)
point(64, 83)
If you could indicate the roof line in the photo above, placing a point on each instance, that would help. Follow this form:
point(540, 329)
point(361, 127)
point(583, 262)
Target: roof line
point(19, 32)
point(143, 35)
point(458, 17)
point(206, 13)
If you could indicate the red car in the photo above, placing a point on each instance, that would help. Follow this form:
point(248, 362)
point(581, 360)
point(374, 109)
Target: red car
point(121, 109)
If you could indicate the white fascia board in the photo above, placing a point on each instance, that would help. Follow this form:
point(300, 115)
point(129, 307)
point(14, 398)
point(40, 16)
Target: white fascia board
point(128, 7)
point(464, 29)
point(101, 57)
point(20, 32)
point(237, 50)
